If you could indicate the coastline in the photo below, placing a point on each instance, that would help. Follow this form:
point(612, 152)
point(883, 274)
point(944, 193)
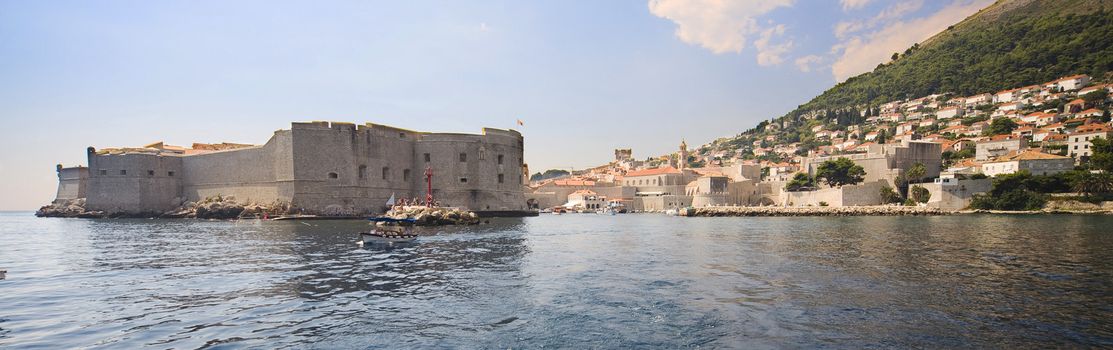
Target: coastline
point(880, 210)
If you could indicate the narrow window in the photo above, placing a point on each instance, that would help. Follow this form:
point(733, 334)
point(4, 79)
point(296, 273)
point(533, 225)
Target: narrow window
point(386, 172)
point(170, 173)
point(150, 173)
point(427, 158)
point(405, 174)
point(500, 178)
point(123, 172)
point(463, 180)
point(362, 171)
point(463, 157)
point(333, 175)
point(401, 135)
point(500, 159)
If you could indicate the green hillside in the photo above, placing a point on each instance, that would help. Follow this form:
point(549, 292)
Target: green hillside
point(1011, 43)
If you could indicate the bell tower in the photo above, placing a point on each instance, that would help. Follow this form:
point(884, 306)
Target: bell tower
point(682, 157)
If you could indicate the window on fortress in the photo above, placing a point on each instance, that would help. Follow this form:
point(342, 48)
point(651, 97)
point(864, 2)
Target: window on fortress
point(405, 174)
point(333, 175)
point(150, 173)
point(123, 172)
point(362, 173)
point(500, 160)
point(386, 172)
point(500, 178)
point(427, 159)
point(170, 173)
point(463, 180)
point(463, 157)
point(103, 172)
point(401, 135)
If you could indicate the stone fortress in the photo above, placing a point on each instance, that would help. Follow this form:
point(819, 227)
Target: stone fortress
point(314, 167)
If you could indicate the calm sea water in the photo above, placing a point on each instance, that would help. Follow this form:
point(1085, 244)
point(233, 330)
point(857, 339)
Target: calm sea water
point(571, 281)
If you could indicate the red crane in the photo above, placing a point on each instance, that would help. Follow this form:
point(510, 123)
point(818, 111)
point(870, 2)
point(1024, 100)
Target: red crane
point(429, 186)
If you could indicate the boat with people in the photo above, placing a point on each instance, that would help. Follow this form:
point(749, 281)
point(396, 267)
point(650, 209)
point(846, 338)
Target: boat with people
point(389, 231)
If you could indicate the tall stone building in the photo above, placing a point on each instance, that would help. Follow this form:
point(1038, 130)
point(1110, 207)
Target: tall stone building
point(316, 167)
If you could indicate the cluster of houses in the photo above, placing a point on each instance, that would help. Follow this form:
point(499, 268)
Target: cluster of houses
point(1053, 126)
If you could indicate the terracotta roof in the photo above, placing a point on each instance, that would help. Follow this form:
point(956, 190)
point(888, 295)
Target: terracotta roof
point(567, 182)
point(655, 171)
point(1001, 138)
point(1028, 155)
point(1091, 128)
point(585, 192)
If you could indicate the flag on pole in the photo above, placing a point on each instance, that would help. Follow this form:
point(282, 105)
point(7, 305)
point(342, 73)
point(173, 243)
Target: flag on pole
point(390, 202)
point(520, 123)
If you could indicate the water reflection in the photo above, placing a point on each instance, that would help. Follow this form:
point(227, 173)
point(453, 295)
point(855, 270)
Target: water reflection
point(577, 280)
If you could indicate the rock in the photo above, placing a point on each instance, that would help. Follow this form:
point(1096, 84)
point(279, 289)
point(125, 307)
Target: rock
point(435, 216)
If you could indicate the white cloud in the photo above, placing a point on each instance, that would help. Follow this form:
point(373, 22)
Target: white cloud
point(853, 4)
point(721, 25)
point(804, 64)
point(769, 54)
point(889, 14)
point(863, 52)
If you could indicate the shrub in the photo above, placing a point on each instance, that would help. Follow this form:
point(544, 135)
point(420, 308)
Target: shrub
point(919, 194)
point(888, 196)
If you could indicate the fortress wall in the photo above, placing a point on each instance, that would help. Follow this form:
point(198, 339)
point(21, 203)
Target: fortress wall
point(474, 182)
point(72, 183)
point(356, 156)
point(255, 174)
point(133, 182)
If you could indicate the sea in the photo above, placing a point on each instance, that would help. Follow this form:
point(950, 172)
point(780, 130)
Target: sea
point(577, 281)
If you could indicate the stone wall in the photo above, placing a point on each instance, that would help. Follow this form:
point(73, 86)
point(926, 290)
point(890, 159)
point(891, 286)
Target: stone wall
point(72, 183)
point(133, 182)
point(320, 167)
point(866, 193)
point(958, 195)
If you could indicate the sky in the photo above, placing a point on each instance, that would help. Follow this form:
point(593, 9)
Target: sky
point(584, 76)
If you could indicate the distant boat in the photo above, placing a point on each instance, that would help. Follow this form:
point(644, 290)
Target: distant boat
point(388, 234)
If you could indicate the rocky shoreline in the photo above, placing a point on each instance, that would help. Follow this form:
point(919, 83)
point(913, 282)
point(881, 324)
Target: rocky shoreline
point(434, 216)
point(216, 207)
point(813, 211)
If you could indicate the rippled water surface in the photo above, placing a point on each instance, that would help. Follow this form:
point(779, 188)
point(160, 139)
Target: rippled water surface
point(639, 280)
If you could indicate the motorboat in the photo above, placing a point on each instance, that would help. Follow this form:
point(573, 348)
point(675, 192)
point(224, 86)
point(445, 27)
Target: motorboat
point(389, 231)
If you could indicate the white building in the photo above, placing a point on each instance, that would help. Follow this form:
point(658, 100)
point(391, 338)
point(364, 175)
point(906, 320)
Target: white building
point(1037, 163)
point(1078, 145)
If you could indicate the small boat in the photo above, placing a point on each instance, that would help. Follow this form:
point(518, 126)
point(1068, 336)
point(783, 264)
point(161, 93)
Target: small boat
point(393, 231)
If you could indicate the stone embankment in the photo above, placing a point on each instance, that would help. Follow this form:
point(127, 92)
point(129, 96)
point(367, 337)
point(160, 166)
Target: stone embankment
point(434, 216)
point(885, 210)
point(216, 207)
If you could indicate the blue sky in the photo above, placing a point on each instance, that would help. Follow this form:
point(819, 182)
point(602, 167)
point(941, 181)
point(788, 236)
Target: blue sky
point(585, 76)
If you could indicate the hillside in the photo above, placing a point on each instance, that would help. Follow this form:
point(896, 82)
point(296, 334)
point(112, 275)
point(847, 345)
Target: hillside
point(1009, 44)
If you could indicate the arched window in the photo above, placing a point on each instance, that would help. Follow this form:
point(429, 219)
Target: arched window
point(333, 175)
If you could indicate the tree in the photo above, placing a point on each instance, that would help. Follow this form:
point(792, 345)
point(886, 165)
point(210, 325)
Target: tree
point(895, 56)
point(841, 171)
point(888, 196)
point(1102, 157)
point(881, 135)
point(1094, 97)
point(919, 194)
point(916, 172)
point(1090, 184)
point(800, 182)
point(1001, 126)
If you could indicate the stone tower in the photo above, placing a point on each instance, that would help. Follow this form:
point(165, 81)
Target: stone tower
point(682, 157)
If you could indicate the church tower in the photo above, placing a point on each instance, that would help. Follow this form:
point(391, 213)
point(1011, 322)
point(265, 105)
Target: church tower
point(682, 157)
